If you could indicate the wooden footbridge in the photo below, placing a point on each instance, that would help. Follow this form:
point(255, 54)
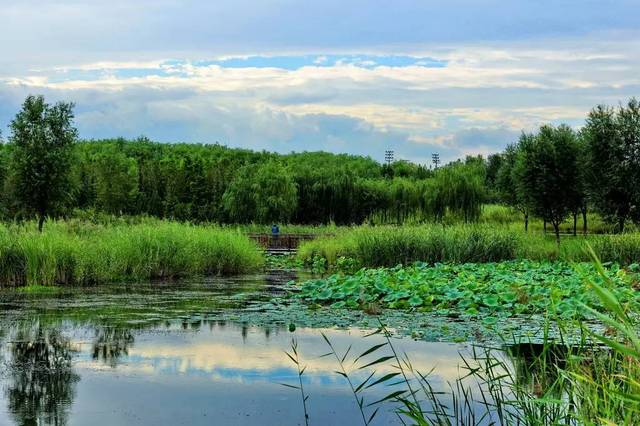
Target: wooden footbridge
point(281, 243)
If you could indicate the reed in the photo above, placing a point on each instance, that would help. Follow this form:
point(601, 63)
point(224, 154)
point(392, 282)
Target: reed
point(390, 246)
point(72, 253)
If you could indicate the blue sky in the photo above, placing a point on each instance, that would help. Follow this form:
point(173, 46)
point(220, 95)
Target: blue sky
point(457, 77)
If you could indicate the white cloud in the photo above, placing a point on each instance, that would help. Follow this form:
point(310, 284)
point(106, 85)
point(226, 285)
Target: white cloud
point(487, 93)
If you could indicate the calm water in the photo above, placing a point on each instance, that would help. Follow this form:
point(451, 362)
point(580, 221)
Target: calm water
point(153, 355)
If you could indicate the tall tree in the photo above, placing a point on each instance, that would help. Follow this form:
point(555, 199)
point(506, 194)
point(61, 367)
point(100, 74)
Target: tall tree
point(547, 174)
point(494, 162)
point(263, 193)
point(628, 123)
point(611, 138)
point(457, 189)
point(583, 199)
point(42, 137)
point(506, 181)
point(116, 183)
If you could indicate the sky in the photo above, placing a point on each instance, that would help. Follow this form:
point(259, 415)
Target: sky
point(456, 77)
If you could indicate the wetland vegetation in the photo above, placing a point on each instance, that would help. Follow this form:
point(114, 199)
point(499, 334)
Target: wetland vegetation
point(80, 253)
point(502, 251)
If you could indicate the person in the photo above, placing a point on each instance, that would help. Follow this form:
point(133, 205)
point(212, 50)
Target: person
point(275, 233)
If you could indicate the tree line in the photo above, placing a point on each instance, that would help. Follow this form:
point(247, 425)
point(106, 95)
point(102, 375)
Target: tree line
point(46, 171)
point(557, 172)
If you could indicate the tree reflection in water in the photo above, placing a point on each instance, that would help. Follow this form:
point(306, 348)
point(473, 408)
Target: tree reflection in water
point(537, 366)
point(111, 343)
point(41, 382)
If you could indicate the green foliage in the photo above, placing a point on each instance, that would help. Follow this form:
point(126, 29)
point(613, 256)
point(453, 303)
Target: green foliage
point(507, 183)
point(485, 290)
point(116, 183)
point(552, 382)
point(38, 289)
point(551, 175)
point(389, 246)
point(458, 190)
point(41, 141)
point(547, 177)
point(494, 164)
point(82, 253)
point(612, 140)
point(263, 193)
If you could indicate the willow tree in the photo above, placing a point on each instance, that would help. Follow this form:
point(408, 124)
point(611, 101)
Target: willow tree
point(456, 189)
point(263, 193)
point(41, 142)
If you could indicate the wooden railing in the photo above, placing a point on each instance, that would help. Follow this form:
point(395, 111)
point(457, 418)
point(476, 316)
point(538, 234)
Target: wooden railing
point(280, 242)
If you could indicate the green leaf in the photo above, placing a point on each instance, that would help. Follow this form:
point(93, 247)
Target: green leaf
point(392, 395)
point(383, 379)
point(377, 361)
point(369, 351)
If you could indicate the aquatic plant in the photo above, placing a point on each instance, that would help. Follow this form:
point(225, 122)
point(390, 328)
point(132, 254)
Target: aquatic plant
point(294, 356)
point(390, 246)
point(487, 290)
point(526, 384)
point(66, 253)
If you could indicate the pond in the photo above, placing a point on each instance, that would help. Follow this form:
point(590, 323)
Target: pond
point(193, 353)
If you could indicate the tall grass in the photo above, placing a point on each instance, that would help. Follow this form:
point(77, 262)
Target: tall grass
point(389, 246)
point(500, 215)
point(83, 253)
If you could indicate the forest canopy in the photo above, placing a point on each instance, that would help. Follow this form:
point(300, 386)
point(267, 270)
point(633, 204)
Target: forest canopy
point(552, 174)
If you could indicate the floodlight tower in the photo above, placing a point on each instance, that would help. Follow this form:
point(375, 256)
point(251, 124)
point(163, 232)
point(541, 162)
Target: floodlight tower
point(435, 159)
point(388, 156)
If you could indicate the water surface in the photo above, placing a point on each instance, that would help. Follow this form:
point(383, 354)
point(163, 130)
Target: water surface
point(168, 354)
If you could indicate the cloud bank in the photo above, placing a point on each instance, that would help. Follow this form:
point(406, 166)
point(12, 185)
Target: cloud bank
point(462, 78)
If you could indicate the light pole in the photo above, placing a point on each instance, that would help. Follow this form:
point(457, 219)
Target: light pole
point(388, 156)
point(435, 159)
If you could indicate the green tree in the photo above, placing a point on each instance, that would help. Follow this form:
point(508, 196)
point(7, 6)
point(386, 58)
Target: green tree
point(263, 193)
point(116, 183)
point(506, 181)
point(239, 199)
point(547, 174)
point(628, 122)
point(582, 200)
point(494, 163)
point(612, 144)
point(42, 138)
point(276, 193)
point(456, 189)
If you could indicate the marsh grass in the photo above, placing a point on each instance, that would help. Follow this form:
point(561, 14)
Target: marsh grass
point(66, 253)
point(390, 246)
point(294, 356)
point(38, 289)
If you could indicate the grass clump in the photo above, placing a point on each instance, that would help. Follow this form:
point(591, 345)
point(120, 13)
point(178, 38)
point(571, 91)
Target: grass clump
point(35, 289)
point(66, 253)
point(390, 246)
